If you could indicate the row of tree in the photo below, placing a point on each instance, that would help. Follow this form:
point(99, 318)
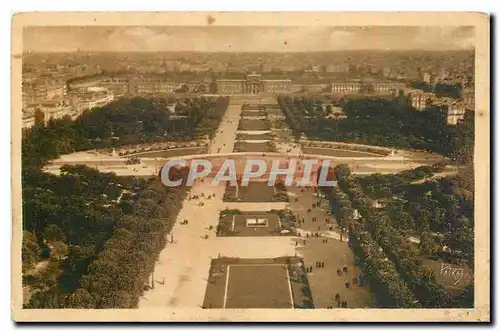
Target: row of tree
point(385, 186)
point(389, 289)
point(67, 221)
point(441, 89)
point(295, 118)
point(119, 274)
point(382, 122)
point(406, 258)
point(90, 239)
point(123, 122)
point(439, 211)
point(115, 274)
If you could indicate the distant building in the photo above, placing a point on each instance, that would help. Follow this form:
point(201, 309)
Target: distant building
point(94, 97)
point(336, 112)
point(171, 107)
point(172, 66)
point(198, 85)
point(375, 87)
point(296, 88)
point(152, 85)
point(183, 67)
point(468, 98)
point(252, 84)
point(118, 86)
point(85, 83)
point(339, 68)
point(276, 86)
point(454, 115)
point(444, 74)
point(419, 99)
point(52, 109)
point(28, 117)
point(387, 87)
point(316, 87)
point(346, 87)
point(28, 121)
point(427, 78)
point(386, 72)
point(312, 69)
point(42, 91)
point(230, 86)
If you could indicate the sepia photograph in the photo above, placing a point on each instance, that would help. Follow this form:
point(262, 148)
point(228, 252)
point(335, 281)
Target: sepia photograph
point(227, 167)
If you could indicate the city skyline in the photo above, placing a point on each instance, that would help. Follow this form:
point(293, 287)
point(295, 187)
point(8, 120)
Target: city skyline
point(257, 39)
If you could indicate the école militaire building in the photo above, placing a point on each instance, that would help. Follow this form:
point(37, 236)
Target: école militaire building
point(252, 84)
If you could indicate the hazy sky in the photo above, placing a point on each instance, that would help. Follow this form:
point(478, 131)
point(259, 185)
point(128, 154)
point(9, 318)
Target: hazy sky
point(247, 39)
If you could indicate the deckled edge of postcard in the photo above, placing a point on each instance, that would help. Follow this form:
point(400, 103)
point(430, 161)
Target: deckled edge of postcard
point(481, 22)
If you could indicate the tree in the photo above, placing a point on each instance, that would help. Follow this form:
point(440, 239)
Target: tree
point(46, 300)
point(53, 233)
point(466, 298)
point(59, 250)
point(39, 119)
point(342, 171)
point(81, 299)
point(329, 109)
point(73, 221)
point(345, 217)
point(30, 251)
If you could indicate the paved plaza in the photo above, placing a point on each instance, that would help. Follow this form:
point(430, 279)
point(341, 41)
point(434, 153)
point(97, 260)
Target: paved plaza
point(182, 269)
point(182, 272)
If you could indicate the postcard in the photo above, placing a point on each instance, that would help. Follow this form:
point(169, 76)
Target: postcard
point(250, 167)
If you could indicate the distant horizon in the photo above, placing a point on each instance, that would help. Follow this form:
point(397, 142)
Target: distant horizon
point(246, 39)
point(256, 52)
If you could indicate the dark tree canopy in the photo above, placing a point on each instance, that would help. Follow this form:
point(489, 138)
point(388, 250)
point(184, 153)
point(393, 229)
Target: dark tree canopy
point(90, 239)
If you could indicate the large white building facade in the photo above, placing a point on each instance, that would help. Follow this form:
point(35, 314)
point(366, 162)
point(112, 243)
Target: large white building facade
point(253, 84)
